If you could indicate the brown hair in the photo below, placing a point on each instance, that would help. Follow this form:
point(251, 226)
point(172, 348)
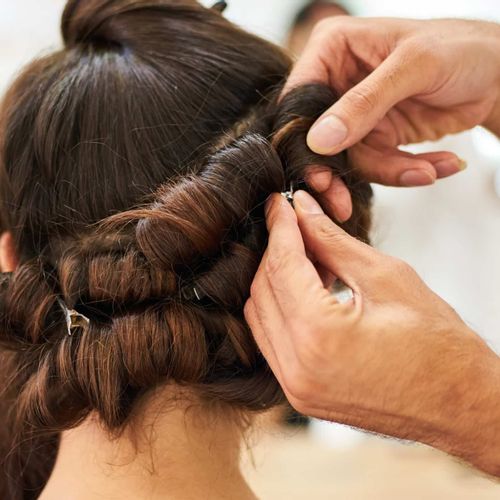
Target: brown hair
point(134, 167)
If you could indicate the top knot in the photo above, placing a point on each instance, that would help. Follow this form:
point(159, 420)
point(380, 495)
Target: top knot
point(86, 22)
point(107, 24)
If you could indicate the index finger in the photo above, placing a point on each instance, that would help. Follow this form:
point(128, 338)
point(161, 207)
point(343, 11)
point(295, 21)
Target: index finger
point(295, 282)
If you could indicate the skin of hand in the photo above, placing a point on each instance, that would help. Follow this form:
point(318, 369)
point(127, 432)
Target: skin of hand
point(401, 81)
point(396, 360)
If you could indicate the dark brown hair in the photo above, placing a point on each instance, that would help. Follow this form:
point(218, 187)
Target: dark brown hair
point(134, 167)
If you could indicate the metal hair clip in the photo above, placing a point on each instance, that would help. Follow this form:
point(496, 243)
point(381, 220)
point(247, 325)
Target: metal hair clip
point(219, 6)
point(192, 293)
point(196, 294)
point(288, 195)
point(74, 319)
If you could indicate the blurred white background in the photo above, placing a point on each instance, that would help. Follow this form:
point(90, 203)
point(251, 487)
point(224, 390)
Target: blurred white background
point(449, 232)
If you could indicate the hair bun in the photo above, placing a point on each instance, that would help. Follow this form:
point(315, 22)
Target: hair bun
point(85, 22)
point(106, 23)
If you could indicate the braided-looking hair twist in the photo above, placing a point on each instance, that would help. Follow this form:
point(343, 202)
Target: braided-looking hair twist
point(135, 163)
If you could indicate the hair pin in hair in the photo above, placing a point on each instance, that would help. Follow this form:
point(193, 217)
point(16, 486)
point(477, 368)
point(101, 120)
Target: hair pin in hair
point(74, 319)
point(288, 195)
point(220, 6)
point(191, 293)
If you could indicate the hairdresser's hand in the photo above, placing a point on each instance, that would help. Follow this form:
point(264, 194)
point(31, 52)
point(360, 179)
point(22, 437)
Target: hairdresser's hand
point(396, 360)
point(403, 81)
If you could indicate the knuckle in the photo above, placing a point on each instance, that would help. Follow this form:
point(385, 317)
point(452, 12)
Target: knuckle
point(420, 52)
point(400, 266)
point(330, 31)
point(274, 264)
point(363, 99)
point(328, 232)
point(390, 268)
point(382, 270)
point(323, 27)
point(329, 26)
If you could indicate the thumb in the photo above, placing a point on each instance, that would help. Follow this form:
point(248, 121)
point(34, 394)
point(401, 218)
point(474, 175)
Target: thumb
point(345, 256)
point(362, 107)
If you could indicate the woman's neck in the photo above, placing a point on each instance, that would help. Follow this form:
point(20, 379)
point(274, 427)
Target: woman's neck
point(179, 453)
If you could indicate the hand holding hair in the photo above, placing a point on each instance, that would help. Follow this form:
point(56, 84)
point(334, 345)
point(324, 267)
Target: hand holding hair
point(396, 360)
point(403, 81)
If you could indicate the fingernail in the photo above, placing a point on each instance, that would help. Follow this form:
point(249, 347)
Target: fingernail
point(445, 168)
point(307, 203)
point(272, 200)
point(413, 178)
point(326, 134)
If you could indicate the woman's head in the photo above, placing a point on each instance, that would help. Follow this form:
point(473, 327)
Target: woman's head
point(134, 167)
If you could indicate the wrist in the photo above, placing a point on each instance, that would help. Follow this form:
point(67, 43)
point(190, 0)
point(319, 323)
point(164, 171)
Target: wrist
point(484, 429)
point(471, 430)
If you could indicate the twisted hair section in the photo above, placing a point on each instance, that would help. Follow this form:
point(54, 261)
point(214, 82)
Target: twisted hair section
point(144, 212)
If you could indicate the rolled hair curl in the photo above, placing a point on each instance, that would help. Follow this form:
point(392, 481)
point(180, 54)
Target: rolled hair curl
point(131, 261)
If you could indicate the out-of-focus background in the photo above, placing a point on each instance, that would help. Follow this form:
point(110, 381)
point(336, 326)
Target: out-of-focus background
point(450, 233)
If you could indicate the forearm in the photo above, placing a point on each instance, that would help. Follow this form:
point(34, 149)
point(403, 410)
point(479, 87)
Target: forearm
point(394, 362)
point(454, 405)
point(470, 412)
point(481, 429)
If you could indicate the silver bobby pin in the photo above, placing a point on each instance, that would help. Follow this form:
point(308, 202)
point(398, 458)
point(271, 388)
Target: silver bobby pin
point(74, 319)
point(191, 293)
point(288, 195)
